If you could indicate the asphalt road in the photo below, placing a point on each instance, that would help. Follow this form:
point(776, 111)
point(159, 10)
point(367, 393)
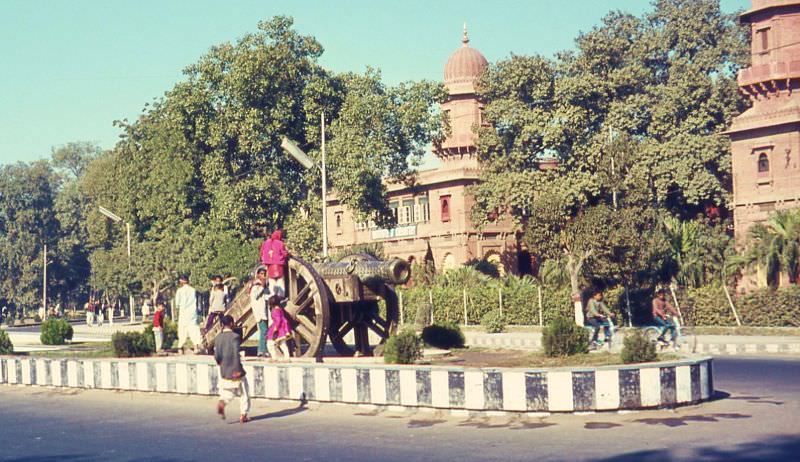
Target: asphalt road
point(756, 418)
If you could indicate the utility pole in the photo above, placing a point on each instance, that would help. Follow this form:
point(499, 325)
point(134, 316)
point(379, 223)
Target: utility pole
point(324, 195)
point(44, 284)
point(130, 295)
point(613, 174)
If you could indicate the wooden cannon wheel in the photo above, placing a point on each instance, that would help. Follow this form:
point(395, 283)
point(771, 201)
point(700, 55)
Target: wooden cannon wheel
point(362, 317)
point(307, 308)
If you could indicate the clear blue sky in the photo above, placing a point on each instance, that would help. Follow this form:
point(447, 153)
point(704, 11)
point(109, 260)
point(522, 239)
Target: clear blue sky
point(72, 67)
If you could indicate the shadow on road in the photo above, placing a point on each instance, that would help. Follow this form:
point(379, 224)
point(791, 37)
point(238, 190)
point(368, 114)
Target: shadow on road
point(780, 448)
point(284, 413)
point(684, 420)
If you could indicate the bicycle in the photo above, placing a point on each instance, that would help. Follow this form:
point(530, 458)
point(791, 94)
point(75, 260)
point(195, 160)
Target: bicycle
point(684, 335)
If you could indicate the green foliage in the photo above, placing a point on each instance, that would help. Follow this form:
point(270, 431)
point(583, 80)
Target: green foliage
point(374, 249)
point(493, 322)
point(708, 306)
point(55, 331)
point(562, 337)
point(403, 348)
point(6, 347)
point(484, 267)
point(132, 344)
point(775, 246)
point(443, 335)
point(170, 332)
point(637, 348)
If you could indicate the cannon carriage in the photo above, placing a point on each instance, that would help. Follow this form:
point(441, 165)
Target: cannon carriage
point(337, 300)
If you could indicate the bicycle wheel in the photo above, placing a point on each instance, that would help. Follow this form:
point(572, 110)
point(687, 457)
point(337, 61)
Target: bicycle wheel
point(652, 333)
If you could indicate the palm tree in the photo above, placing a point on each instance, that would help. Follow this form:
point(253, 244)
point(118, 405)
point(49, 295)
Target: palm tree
point(775, 246)
point(684, 267)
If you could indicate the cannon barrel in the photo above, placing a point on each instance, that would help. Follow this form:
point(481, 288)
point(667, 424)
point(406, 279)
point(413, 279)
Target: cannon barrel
point(394, 271)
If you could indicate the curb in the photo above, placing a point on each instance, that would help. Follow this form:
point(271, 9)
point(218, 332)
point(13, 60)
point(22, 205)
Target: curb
point(563, 390)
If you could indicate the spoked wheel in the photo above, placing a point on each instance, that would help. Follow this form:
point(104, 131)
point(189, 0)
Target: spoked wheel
point(652, 333)
point(362, 317)
point(307, 308)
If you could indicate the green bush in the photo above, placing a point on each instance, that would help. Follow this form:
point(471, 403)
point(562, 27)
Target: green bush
point(494, 322)
point(708, 306)
point(403, 348)
point(130, 344)
point(637, 348)
point(170, 331)
point(6, 347)
point(562, 337)
point(443, 335)
point(55, 331)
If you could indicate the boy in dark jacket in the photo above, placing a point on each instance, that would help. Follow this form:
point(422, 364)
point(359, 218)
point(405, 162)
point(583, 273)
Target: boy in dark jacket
point(232, 375)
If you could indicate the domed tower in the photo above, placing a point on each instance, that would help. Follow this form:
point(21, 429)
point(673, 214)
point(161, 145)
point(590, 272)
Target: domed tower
point(463, 108)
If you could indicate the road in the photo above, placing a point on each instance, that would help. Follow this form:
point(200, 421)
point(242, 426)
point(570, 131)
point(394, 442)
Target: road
point(756, 418)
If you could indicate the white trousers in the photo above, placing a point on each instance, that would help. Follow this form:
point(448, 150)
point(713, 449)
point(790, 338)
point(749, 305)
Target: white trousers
point(191, 331)
point(228, 389)
point(276, 287)
point(158, 336)
point(277, 349)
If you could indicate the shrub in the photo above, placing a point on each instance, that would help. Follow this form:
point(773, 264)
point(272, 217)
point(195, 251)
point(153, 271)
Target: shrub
point(37, 318)
point(170, 331)
point(6, 347)
point(55, 331)
point(130, 344)
point(562, 337)
point(443, 335)
point(637, 348)
point(403, 348)
point(494, 322)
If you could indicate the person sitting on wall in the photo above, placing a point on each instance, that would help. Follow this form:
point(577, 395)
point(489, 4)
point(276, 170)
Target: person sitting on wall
point(662, 314)
point(597, 315)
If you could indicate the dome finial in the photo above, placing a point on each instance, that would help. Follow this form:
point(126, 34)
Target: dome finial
point(465, 38)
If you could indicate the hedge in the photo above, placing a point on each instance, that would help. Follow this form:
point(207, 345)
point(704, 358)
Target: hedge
point(703, 306)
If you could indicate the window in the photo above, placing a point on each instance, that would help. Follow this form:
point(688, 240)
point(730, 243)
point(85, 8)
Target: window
point(444, 202)
point(762, 39)
point(338, 222)
point(763, 163)
point(393, 207)
point(422, 212)
point(404, 215)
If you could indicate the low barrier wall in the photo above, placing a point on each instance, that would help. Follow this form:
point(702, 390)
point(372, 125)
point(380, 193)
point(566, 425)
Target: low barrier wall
point(452, 388)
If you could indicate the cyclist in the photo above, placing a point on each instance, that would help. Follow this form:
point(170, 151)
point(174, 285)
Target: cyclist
point(662, 315)
point(598, 314)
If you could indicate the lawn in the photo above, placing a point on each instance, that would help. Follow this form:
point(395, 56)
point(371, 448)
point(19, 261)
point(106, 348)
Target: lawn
point(480, 357)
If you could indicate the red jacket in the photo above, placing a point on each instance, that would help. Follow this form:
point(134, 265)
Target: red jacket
point(158, 318)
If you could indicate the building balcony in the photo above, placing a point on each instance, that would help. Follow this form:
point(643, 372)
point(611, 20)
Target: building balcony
point(776, 70)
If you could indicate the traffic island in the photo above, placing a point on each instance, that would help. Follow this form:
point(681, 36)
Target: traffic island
point(577, 389)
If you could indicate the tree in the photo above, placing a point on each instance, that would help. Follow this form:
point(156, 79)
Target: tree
point(775, 246)
point(27, 224)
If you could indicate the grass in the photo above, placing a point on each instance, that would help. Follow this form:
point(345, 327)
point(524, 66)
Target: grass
point(480, 357)
point(76, 350)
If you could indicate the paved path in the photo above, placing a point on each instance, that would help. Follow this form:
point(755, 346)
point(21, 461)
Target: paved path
point(757, 421)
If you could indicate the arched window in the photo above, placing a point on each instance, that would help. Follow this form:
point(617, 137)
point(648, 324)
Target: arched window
point(444, 202)
point(338, 220)
point(763, 163)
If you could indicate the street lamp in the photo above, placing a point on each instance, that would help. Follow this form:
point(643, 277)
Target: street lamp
point(293, 150)
point(116, 219)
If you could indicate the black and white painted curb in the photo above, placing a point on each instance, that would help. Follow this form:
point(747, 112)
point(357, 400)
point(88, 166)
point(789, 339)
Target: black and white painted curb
point(532, 342)
point(514, 390)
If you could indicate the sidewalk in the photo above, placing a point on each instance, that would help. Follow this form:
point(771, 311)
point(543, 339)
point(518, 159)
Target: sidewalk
point(713, 344)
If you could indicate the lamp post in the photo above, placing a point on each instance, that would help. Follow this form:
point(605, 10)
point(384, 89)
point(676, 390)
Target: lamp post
point(116, 219)
point(293, 150)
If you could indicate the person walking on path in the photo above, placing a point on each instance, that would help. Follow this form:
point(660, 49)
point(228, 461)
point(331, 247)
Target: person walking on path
point(662, 312)
point(186, 302)
point(258, 305)
point(273, 256)
point(278, 332)
point(145, 309)
point(232, 375)
point(216, 305)
point(158, 325)
point(89, 310)
point(598, 314)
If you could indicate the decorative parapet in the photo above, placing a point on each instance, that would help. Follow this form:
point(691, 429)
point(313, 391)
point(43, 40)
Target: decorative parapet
point(609, 388)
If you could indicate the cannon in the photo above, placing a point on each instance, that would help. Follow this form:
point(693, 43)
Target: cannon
point(331, 300)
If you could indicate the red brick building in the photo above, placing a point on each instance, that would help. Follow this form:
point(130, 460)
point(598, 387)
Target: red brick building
point(765, 139)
